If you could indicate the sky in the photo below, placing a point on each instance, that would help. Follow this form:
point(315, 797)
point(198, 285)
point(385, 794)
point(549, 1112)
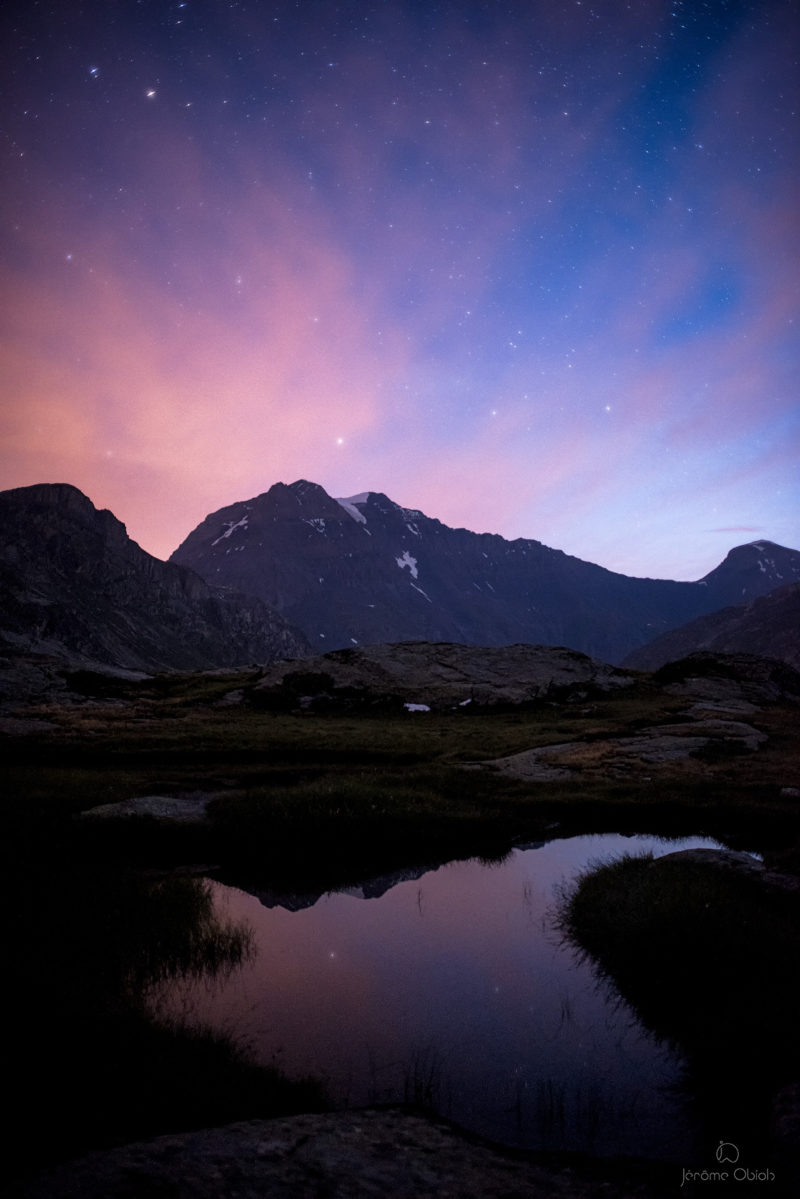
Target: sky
point(531, 267)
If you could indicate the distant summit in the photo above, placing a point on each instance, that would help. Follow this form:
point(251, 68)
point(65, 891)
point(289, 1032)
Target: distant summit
point(363, 570)
point(755, 569)
point(73, 585)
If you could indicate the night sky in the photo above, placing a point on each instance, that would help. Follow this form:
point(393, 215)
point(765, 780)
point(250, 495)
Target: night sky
point(531, 267)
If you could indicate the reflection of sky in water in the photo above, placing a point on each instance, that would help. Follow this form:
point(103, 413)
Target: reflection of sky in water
point(456, 981)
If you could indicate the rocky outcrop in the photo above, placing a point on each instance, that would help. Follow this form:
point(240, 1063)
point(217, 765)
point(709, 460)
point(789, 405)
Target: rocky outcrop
point(75, 587)
point(619, 757)
point(725, 679)
point(422, 675)
point(720, 694)
point(365, 570)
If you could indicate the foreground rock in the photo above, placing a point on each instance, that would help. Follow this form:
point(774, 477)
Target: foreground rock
point(171, 809)
point(370, 1154)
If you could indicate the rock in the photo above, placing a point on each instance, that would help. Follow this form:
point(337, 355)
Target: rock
point(438, 675)
point(723, 679)
point(657, 745)
point(366, 1154)
point(170, 809)
point(720, 859)
point(730, 859)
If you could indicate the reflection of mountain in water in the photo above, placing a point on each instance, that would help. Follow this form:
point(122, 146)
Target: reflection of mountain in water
point(373, 888)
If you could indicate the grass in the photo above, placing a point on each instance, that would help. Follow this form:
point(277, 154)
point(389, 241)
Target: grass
point(707, 958)
point(374, 791)
point(89, 1063)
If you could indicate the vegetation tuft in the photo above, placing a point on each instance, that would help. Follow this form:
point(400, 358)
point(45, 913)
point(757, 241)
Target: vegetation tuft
point(707, 957)
point(90, 1064)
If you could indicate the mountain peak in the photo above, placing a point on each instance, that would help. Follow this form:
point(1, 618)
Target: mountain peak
point(303, 488)
point(75, 586)
point(758, 567)
point(761, 547)
point(53, 495)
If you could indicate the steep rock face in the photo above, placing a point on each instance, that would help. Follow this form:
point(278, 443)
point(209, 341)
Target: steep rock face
point(72, 583)
point(767, 627)
point(365, 570)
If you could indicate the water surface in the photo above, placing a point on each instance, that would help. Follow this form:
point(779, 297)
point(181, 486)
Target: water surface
point(455, 988)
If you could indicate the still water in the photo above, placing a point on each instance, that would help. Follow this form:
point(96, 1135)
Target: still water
point(454, 988)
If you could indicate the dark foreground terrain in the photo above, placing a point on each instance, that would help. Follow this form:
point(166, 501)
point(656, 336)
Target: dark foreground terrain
point(302, 782)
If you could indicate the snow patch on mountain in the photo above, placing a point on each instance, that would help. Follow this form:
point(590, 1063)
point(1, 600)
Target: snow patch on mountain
point(350, 506)
point(232, 527)
point(408, 561)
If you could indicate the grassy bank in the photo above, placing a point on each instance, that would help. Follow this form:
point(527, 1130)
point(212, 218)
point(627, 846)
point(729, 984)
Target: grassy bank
point(707, 958)
point(88, 1063)
point(342, 795)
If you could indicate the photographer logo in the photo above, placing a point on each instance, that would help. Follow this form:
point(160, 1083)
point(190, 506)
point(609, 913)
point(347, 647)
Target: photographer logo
point(727, 1155)
point(726, 1152)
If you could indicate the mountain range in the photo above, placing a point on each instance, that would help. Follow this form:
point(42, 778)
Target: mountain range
point(295, 572)
point(364, 570)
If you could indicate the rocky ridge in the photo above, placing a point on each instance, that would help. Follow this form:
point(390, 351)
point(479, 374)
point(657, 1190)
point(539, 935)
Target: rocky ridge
point(74, 587)
point(768, 626)
point(365, 570)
